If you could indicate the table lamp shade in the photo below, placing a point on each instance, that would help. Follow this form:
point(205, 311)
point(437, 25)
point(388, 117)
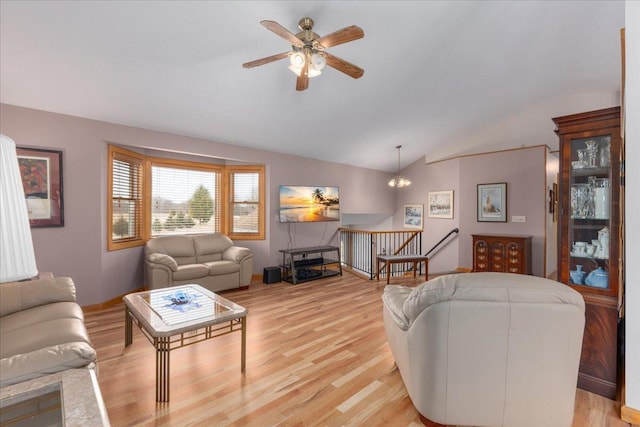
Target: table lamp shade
point(17, 258)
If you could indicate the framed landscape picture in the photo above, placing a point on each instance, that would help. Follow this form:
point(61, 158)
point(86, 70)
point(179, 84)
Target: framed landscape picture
point(41, 174)
point(440, 204)
point(413, 216)
point(492, 202)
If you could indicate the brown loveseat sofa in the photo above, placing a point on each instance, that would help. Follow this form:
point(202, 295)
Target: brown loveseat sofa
point(42, 330)
point(210, 260)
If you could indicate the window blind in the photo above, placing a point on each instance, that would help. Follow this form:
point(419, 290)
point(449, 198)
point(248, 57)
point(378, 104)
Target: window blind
point(184, 200)
point(245, 202)
point(126, 198)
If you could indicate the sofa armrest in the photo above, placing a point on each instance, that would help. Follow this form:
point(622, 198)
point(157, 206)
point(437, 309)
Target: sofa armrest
point(393, 299)
point(45, 361)
point(17, 296)
point(236, 254)
point(162, 259)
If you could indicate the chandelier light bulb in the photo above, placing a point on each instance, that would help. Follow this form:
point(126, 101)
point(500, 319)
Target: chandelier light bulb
point(399, 181)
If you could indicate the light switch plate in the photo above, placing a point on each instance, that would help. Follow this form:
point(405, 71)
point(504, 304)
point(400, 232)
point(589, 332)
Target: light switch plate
point(517, 218)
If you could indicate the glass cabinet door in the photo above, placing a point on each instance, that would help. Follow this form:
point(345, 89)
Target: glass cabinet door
point(590, 212)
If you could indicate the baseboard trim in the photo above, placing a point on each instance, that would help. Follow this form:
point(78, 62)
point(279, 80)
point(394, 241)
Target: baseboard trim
point(627, 413)
point(630, 415)
point(108, 304)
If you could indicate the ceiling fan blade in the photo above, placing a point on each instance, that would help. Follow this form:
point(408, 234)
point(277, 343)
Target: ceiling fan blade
point(343, 66)
point(341, 36)
point(266, 60)
point(303, 79)
point(282, 32)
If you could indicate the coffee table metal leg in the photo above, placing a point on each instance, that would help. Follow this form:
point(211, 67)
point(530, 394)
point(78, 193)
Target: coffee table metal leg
point(243, 356)
point(128, 328)
point(162, 369)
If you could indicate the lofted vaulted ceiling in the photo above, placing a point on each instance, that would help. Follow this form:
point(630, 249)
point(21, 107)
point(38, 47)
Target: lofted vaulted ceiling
point(442, 78)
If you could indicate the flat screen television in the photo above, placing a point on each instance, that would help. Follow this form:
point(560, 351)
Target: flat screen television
point(302, 203)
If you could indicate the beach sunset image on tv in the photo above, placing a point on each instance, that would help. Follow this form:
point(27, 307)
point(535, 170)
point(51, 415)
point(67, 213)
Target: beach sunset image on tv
point(300, 203)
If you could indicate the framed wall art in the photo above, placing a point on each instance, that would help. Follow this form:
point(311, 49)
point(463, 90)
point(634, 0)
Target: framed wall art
point(492, 202)
point(413, 216)
point(440, 204)
point(41, 174)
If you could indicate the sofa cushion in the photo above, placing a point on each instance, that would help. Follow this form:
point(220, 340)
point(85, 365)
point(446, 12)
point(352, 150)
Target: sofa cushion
point(180, 248)
point(209, 247)
point(16, 296)
point(190, 271)
point(39, 327)
point(218, 268)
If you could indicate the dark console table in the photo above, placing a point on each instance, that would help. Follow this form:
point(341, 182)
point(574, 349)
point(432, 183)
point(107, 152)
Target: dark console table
point(304, 264)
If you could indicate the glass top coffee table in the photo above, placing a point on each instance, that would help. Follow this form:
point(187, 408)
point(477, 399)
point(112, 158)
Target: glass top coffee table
point(179, 316)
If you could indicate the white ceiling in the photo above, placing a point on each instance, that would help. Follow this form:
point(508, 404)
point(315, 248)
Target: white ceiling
point(441, 78)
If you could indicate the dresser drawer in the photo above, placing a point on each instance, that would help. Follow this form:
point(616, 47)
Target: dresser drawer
point(502, 253)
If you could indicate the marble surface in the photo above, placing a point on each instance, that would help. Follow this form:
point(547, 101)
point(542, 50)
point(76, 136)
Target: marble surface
point(82, 403)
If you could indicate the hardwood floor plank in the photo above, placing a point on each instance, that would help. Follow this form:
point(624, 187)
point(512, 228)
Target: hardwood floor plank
point(317, 355)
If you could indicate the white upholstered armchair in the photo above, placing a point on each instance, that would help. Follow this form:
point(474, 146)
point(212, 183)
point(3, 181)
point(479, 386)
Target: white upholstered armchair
point(487, 349)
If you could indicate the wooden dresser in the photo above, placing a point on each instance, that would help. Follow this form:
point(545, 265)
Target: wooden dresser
point(502, 253)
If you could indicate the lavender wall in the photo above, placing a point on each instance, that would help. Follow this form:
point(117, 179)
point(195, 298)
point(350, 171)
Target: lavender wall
point(524, 172)
point(79, 250)
point(425, 178)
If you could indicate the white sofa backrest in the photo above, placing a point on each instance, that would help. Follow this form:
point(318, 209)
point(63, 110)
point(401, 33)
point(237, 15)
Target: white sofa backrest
point(210, 247)
point(489, 287)
point(18, 296)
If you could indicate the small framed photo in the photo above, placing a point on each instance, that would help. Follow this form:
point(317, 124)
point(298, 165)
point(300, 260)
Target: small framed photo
point(492, 202)
point(413, 216)
point(41, 174)
point(440, 204)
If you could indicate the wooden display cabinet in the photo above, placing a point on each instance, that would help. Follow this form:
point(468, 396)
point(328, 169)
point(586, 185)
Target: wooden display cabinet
point(589, 236)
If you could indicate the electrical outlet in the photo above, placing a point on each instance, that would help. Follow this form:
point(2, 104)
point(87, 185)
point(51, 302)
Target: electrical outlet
point(517, 218)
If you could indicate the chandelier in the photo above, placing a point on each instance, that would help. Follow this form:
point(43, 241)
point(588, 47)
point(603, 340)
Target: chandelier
point(399, 181)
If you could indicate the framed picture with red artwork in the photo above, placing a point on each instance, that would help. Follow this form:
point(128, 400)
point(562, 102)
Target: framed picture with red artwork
point(41, 174)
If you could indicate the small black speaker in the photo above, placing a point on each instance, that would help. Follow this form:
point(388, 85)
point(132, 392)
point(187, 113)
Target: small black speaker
point(271, 275)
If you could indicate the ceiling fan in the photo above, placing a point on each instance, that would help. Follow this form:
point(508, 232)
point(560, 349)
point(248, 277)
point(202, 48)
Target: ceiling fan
point(308, 55)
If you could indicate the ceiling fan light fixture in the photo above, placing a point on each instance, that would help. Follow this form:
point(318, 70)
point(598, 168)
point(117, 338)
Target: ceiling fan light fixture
point(318, 62)
point(313, 72)
point(308, 55)
point(295, 70)
point(297, 59)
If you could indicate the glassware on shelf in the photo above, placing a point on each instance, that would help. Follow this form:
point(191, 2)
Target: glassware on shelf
point(603, 246)
point(601, 193)
point(580, 200)
point(592, 152)
point(605, 152)
point(598, 278)
point(577, 275)
point(582, 159)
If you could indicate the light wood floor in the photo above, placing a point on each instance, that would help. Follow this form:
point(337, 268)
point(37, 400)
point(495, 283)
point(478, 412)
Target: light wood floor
point(317, 355)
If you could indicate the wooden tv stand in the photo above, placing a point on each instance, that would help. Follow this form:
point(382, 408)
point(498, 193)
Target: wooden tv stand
point(304, 264)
